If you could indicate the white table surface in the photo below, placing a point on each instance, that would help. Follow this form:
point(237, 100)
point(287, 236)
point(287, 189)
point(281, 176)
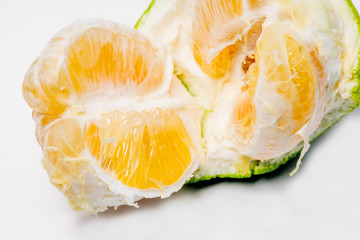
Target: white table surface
point(322, 201)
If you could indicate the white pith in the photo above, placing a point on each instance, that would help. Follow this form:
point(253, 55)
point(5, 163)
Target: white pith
point(332, 26)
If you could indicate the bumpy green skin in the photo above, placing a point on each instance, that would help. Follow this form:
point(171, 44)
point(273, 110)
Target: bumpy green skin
point(257, 167)
point(356, 69)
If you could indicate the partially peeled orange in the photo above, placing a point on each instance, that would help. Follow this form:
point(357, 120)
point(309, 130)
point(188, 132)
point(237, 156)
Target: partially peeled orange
point(202, 89)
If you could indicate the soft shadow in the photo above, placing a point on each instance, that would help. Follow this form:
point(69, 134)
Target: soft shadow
point(149, 203)
point(356, 112)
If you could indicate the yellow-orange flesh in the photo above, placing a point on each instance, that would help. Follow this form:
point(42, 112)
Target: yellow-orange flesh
point(100, 58)
point(97, 62)
point(145, 149)
point(245, 113)
point(211, 18)
point(219, 33)
point(286, 64)
point(141, 149)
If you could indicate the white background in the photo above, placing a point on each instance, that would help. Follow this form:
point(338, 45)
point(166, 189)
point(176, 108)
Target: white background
point(322, 201)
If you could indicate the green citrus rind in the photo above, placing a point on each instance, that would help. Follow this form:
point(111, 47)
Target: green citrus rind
point(257, 167)
point(145, 14)
point(149, 11)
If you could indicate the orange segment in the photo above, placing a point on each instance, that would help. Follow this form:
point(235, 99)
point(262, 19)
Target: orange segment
point(35, 95)
point(66, 136)
point(103, 59)
point(211, 18)
point(219, 34)
point(97, 61)
point(245, 113)
point(64, 144)
point(141, 149)
point(42, 120)
point(286, 63)
point(58, 90)
point(304, 81)
point(219, 65)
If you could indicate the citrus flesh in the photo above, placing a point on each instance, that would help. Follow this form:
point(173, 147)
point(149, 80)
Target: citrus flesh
point(211, 16)
point(109, 116)
point(116, 60)
point(142, 150)
point(263, 79)
point(273, 74)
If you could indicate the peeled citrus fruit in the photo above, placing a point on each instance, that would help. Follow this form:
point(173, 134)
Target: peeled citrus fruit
point(113, 123)
point(272, 74)
point(210, 88)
